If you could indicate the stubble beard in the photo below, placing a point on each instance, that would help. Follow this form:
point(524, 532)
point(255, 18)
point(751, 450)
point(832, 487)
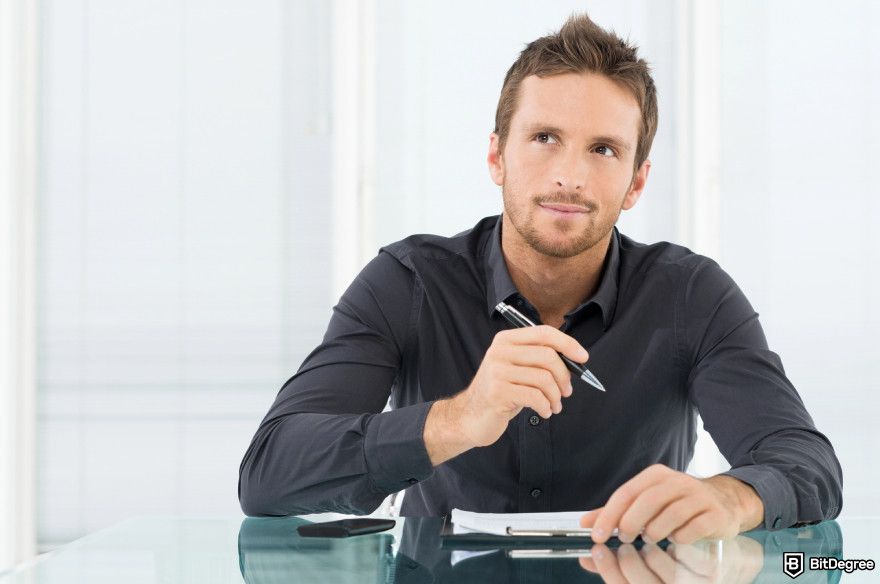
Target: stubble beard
point(524, 221)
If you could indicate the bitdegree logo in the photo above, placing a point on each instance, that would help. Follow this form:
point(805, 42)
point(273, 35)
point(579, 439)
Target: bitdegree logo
point(848, 566)
point(793, 564)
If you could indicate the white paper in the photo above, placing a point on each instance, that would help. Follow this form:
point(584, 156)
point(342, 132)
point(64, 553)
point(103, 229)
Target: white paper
point(497, 523)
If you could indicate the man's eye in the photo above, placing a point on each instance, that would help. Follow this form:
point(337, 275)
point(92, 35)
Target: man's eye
point(541, 137)
point(606, 151)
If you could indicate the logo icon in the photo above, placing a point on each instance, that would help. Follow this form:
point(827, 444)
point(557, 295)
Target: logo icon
point(793, 564)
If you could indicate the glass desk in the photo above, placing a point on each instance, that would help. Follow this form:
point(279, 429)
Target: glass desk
point(269, 550)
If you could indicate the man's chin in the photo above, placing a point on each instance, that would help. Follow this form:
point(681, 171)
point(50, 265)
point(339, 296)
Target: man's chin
point(559, 250)
point(562, 243)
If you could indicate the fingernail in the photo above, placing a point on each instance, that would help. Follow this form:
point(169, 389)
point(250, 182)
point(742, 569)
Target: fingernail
point(598, 532)
point(647, 539)
point(570, 388)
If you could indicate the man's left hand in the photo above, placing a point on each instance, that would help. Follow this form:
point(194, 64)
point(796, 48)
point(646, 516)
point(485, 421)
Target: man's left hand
point(660, 502)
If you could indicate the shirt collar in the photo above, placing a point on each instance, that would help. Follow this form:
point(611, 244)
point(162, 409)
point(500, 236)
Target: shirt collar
point(500, 287)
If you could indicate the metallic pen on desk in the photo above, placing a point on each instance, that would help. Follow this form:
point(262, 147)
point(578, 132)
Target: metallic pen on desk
point(518, 319)
point(572, 532)
point(528, 554)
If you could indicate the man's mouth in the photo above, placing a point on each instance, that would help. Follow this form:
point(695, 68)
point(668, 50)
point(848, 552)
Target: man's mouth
point(564, 210)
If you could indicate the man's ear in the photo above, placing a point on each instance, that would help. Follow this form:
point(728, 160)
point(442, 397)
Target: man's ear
point(640, 179)
point(495, 160)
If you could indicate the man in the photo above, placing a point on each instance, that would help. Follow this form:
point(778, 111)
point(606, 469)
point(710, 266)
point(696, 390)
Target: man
point(485, 417)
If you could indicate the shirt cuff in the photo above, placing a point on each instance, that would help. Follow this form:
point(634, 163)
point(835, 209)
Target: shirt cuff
point(777, 494)
point(394, 448)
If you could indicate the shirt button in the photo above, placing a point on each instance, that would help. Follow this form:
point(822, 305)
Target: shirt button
point(534, 420)
point(535, 493)
point(776, 522)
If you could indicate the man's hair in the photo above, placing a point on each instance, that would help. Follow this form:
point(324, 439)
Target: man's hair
point(582, 46)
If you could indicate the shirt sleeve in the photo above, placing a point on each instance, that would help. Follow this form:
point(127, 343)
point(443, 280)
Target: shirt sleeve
point(325, 444)
point(750, 408)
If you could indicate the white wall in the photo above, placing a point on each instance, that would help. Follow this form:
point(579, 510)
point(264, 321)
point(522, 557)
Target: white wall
point(183, 259)
point(800, 228)
point(18, 178)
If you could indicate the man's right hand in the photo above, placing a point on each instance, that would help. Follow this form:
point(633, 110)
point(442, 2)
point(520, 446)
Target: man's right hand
point(521, 369)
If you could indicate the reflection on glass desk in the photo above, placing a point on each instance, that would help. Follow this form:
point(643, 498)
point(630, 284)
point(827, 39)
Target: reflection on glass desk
point(269, 550)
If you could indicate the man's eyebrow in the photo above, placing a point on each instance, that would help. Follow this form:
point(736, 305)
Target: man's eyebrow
point(609, 139)
point(539, 127)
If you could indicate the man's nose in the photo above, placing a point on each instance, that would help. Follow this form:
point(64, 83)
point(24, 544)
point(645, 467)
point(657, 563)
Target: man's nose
point(571, 174)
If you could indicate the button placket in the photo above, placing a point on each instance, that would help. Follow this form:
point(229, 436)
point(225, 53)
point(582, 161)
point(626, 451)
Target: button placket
point(536, 456)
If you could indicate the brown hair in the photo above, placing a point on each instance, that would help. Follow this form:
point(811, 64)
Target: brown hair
point(582, 46)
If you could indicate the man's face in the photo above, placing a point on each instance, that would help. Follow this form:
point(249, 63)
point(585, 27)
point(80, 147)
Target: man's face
point(572, 141)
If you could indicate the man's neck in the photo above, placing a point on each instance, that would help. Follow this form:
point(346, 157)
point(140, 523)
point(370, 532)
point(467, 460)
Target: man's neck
point(554, 286)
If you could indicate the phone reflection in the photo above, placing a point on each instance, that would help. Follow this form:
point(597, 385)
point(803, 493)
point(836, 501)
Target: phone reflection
point(271, 551)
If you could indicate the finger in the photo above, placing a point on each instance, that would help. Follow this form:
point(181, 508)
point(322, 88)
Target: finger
point(684, 571)
point(702, 557)
point(698, 527)
point(606, 564)
point(540, 379)
point(529, 397)
point(673, 517)
point(552, 337)
point(659, 562)
point(633, 567)
point(650, 503)
point(747, 558)
point(623, 497)
point(589, 517)
point(543, 357)
point(588, 564)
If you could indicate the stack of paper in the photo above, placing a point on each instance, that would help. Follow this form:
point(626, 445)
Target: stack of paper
point(497, 523)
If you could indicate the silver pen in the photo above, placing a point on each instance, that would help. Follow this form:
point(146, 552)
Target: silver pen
point(570, 532)
point(518, 319)
point(526, 553)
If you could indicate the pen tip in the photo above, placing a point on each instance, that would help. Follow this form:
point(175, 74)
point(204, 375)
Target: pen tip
point(592, 380)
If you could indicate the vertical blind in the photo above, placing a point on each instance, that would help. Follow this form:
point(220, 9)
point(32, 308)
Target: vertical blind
point(184, 265)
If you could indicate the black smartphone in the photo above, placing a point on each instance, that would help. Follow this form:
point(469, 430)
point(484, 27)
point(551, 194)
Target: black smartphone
point(345, 527)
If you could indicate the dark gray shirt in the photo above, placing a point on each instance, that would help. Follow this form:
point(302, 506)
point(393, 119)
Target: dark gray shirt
point(669, 333)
